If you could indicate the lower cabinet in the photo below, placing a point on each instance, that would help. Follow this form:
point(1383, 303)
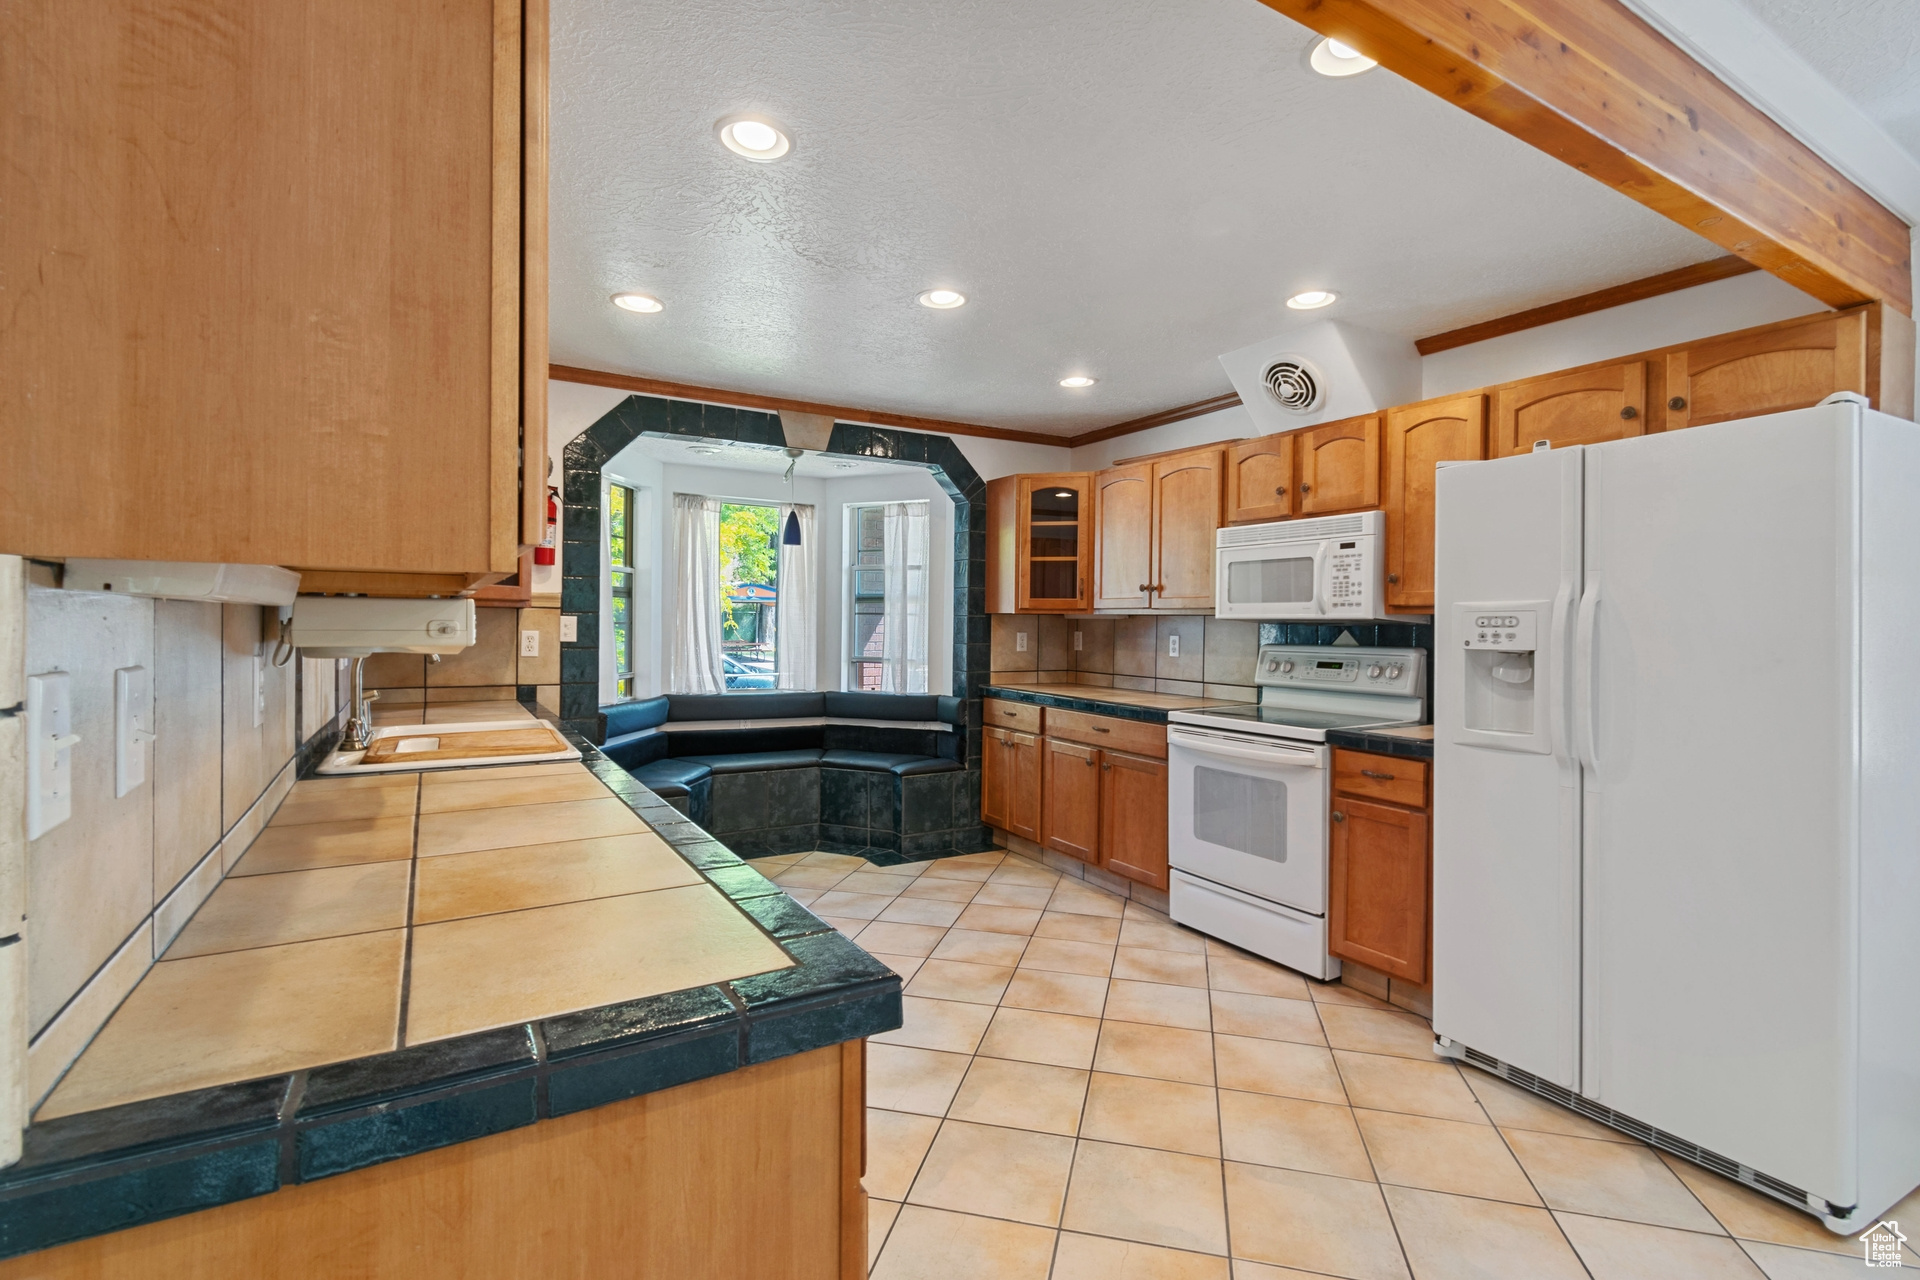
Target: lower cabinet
point(1070, 804)
point(1380, 884)
point(1010, 774)
point(1133, 817)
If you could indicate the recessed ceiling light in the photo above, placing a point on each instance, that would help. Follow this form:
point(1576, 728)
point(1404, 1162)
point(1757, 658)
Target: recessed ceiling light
point(943, 299)
point(754, 138)
point(1077, 380)
point(1331, 58)
point(1311, 299)
point(638, 302)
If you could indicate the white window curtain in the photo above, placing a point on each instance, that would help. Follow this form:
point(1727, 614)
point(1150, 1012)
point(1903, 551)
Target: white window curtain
point(696, 630)
point(797, 614)
point(904, 642)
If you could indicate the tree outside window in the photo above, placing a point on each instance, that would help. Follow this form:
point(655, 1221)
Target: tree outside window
point(749, 594)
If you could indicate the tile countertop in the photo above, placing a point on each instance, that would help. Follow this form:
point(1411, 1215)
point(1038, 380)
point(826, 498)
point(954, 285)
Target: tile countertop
point(1127, 704)
point(376, 977)
point(1414, 742)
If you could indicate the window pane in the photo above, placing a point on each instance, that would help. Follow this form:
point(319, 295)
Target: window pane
point(749, 591)
point(872, 525)
point(618, 508)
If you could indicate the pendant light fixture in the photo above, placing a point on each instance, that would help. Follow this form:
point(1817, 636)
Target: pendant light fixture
point(791, 535)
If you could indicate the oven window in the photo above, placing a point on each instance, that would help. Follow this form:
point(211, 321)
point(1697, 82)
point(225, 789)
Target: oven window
point(1241, 812)
point(1288, 581)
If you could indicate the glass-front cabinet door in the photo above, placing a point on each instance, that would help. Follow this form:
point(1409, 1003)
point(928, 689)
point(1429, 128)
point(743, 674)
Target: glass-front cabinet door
point(1055, 539)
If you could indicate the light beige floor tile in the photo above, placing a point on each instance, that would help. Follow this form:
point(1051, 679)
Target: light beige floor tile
point(1020, 920)
point(1174, 968)
point(1280, 1067)
point(844, 925)
point(1070, 897)
point(1098, 1258)
point(1135, 909)
point(182, 1027)
point(1615, 1250)
point(929, 1244)
point(841, 861)
point(1266, 1017)
point(941, 890)
point(880, 1216)
point(320, 800)
point(1376, 1031)
point(903, 966)
point(1021, 1095)
point(954, 869)
point(933, 911)
point(977, 947)
point(952, 1026)
point(311, 845)
point(1165, 1053)
point(851, 906)
point(801, 896)
point(1778, 1262)
point(540, 875)
point(899, 870)
point(1340, 993)
point(1443, 1155)
point(901, 939)
point(897, 1142)
point(998, 893)
point(1028, 1035)
point(801, 876)
point(1514, 1108)
point(1381, 1082)
point(1461, 1238)
point(1074, 993)
point(1158, 1003)
point(1012, 872)
point(873, 881)
point(1254, 977)
point(1335, 1226)
point(1143, 1112)
point(1058, 955)
point(999, 1173)
point(1140, 931)
point(1752, 1216)
point(1607, 1180)
point(470, 829)
point(958, 980)
point(1072, 928)
point(1244, 1270)
point(501, 793)
point(1291, 1133)
point(489, 971)
point(920, 1081)
point(297, 906)
point(1156, 1197)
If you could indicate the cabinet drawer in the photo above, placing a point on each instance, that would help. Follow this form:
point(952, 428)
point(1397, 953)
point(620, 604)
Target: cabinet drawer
point(1389, 778)
point(1137, 736)
point(1000, 713)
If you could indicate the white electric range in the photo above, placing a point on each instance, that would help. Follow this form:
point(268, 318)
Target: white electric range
point(1248, 790)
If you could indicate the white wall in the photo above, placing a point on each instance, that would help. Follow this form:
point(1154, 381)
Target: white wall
point(995, 458)
point(572, 407)
point(1232, 423)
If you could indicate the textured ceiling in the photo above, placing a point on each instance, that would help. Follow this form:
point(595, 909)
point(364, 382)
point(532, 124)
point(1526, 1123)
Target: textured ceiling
point(1867, 49)
point(1123, 189)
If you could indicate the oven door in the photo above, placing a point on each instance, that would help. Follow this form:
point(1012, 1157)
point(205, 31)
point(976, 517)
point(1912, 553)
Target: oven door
point(1250, 813)
point(1280, 580)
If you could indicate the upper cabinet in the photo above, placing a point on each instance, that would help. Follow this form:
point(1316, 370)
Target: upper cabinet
point(1039, 543)
point(1260, 479)
point(1774, 369)
point(286, 302)
point(1339, 466)
point(1154, 526)
point(1585, 407)
point(1419, 438)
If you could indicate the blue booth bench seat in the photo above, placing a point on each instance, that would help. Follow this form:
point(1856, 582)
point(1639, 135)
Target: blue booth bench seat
point(874, 774)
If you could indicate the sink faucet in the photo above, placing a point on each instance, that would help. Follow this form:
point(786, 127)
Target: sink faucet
point(358, 735)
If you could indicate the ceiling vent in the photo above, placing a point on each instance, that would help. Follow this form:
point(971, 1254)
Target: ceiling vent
point(1294, 384)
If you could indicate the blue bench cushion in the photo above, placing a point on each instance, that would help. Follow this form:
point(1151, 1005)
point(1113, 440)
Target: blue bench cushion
point(745, 706)
point(671, 777)
point(898, 764)
point(755, 761)
point(633, 717)
point(894, 706)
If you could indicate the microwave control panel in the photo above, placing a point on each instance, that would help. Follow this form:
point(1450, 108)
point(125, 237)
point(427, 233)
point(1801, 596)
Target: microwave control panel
point(1347, 572)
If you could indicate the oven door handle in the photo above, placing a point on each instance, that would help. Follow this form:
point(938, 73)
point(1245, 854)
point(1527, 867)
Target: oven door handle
point(1277, 754)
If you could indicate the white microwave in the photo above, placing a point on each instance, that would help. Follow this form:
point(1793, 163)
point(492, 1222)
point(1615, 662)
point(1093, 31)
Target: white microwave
point(1301, 570)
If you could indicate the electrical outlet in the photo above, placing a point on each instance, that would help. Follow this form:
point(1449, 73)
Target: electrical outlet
point(1019, 642)
point(1076, 642)
point(132, 727)
point(529, 644)
point(50, 744)
point(569, 628)
point(1173, 645)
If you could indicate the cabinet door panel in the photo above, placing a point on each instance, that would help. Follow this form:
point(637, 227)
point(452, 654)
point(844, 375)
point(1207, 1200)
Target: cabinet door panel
point(1377, 913)
point(1133, 818)
point(1123, 537)
point(1024, 770)
point(1260, 480)
point(1419, 437)
point(1186, 515)
point(1767, 372)
point(1070, 806)
point(1055, 521)
point(1340, 466)
point(1571, 408)
point(996, 778)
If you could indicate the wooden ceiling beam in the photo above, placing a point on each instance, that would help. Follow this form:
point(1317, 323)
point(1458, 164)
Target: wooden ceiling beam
point(1211, 405)
point(1593, 85)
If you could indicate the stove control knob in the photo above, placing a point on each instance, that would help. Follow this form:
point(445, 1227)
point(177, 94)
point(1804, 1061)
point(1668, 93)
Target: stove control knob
point(1373, 672)
point(1393, 672)
point(1286, 666)
point(1273, 664)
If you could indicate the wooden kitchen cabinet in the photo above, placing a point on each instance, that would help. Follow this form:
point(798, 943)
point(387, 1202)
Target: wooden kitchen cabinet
point(278, 286)
point(1380, 886)
point(1769, 370)
point(1123, 537)
point(1040, 543)
point(1154, 526)
point(1585, 407)
point(1418, 438)
point(1070, 799)
point(1260, 479)
point(1010, 770)
point(1339, 466)
point(1133, 817)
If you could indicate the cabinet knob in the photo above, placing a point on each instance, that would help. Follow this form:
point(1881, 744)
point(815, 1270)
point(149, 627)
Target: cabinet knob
point(1678, 402)
point(1106, 766)
point(1089, 762)
point(1339, 816)
point(1629, 412)
point(1145, 587)
point(1281, 492)
point(1393, 577)
point(1306, 488)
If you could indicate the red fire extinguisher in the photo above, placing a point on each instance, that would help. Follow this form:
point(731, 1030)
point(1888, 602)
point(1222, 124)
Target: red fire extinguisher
point(543, 554)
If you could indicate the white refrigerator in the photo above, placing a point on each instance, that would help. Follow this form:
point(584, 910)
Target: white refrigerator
point(1676, 819)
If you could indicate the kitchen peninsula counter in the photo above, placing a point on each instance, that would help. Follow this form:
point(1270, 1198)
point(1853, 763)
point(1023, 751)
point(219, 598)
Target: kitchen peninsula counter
point(1127, 704)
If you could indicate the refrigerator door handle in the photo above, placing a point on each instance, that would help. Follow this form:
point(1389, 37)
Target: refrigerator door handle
point(1584, 633)
point(1559, 733)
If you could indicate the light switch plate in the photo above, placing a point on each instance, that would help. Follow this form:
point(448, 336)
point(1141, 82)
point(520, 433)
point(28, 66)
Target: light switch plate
point(50, 743)
point(132, 727)
point(529, 644)
point(1019, 642)
point(1173, 645)
point(569, 628)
